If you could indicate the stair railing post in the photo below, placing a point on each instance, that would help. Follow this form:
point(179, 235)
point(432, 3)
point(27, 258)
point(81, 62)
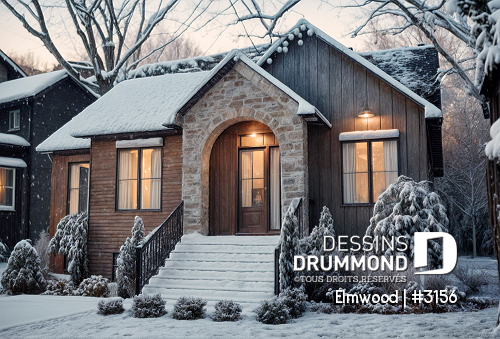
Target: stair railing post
point(138, 273)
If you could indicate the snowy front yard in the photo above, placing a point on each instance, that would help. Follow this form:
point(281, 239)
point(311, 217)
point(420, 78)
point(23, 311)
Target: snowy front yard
point(55, 317)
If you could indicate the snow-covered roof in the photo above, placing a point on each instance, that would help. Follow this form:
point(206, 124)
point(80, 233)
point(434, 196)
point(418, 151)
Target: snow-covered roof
point(12, 162)
point(492, 148)
point(305, 108)
point(29, 86)
point(12, 64)
point(136, 105)
point(303, 26)
point(12, 139)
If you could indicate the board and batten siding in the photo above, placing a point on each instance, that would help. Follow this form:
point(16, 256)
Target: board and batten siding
point(341, 88)
point(59, 195)
point(109, 228)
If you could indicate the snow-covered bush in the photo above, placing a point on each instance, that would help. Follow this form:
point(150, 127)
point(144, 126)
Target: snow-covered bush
point(227, 310)
point(148, 306)
point(23, 273)
point(125, 274)
point(42, 248)
point(273, 311)
point(113, 289)
point(295, 300)
point(313, 243)
point(407, 207)
point(59, 287)
point(321, 307)
point(189, 308)
point(95, 286)
point(471, 278)
point(110, 306)
point(71, 240)
point(289, 248)
point(4, 252)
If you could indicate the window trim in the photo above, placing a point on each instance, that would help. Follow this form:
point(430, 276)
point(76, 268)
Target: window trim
point(370, 202)
point(12, 117)
point(5, 208)
point(139, 179)
point(69, 186)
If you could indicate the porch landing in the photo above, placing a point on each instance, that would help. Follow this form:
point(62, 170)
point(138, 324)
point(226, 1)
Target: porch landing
point(239, 268)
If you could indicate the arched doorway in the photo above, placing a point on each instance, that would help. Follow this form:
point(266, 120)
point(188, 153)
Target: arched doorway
point(245, 182)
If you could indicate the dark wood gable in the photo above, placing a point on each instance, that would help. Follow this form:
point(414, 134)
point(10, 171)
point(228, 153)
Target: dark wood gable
point(341, 88)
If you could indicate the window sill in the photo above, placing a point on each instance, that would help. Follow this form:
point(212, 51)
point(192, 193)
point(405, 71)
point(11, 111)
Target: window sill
point(137, 210)
point(358, 205)
point(7, 209)
point(14, 130)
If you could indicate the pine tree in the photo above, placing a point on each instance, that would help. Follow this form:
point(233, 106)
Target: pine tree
point(23, 273)
point(289, 248)
point(313, 244)
point(407, 207)
point(125, 275)
point(71, 240)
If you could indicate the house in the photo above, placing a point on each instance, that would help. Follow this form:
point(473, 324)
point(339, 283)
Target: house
point(9, 70)
point(311, 124)
point(31, 109)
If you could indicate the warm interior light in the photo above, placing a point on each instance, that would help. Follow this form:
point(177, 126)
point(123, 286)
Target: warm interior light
point(366, 114)
point(253, 135)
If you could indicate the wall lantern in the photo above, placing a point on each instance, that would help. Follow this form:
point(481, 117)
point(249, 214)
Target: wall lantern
point(366, 113)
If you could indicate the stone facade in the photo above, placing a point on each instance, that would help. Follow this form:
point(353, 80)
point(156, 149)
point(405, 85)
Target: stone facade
point(241, 95)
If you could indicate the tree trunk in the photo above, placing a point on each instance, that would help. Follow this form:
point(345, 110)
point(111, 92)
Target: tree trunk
point(474, 249)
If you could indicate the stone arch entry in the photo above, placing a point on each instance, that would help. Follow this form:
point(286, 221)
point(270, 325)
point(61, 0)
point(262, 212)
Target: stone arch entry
point(237, 98)
point(245, 195)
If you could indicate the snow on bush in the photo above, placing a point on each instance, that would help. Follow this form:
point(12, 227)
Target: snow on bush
point(42, 248)
point(295, 300)
point(71, 240)
point(321, 307)
point(23, 273)
point(227, 310)
point(148, 306)
point(110, 306)
point(313, 244)
point(289, 248)
point(407, 207)
point(189, 308)
point(95, 286)
point(4, 252)
point(59, 287)
point(125, 274)
point(273, 311)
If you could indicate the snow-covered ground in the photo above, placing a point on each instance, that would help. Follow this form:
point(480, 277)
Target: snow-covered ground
point(89, 324)
point(38, 316)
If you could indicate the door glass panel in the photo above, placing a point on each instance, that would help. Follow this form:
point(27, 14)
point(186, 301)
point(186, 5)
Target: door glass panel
point(246, 175)
point(252, 178)
point(274, 164)
point(258, 164)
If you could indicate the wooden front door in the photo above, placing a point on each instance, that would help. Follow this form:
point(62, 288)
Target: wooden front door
point(245, 181)
point(253, 202)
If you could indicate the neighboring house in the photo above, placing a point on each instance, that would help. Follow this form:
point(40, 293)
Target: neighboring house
point(310, 121)
point(9, 70)
point(31, 109)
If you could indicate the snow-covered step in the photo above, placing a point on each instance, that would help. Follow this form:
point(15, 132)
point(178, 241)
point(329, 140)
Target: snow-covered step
point(233, 257)
point(239, 268)
point(222, 285)
point(211, 248)
point(166, 273)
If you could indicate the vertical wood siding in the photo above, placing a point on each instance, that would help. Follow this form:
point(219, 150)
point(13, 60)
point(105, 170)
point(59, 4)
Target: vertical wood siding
point(340, 88)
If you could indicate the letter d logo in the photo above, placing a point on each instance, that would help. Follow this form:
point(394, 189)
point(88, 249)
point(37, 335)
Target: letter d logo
point(449, 252)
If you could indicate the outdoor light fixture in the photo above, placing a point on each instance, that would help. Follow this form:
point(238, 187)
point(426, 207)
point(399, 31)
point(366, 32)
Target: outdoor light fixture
point(253, 135)
point(366, 113)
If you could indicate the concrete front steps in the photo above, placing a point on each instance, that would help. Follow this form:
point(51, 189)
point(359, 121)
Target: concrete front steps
point(239, 268)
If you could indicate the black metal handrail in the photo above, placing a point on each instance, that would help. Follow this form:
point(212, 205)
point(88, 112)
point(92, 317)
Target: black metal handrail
point(296, 209)
point(153, 253)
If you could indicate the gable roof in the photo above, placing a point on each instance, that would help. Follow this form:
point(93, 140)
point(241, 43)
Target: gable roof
point(28, 87)
point(415, 67)
point(136, 105)
point(304, 107)
point(304, 27)
point(12, 65)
